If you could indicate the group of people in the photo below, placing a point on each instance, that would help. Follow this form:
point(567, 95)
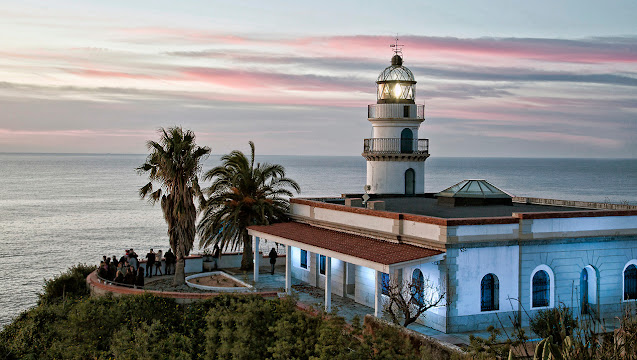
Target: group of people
point(154, 259)
point(128, 270)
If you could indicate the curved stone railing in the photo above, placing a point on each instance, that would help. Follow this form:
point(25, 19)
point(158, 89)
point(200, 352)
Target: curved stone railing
point(99, 287)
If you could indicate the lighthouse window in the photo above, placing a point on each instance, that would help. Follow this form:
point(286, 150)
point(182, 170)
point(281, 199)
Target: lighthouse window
point(322, 265)
point(304, 259)
point(406, 111)
point(406, 141)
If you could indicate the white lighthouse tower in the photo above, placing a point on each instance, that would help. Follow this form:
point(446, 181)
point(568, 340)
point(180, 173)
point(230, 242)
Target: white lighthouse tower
point(395, 155)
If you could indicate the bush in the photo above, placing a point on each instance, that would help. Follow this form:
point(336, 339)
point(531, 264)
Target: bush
point(557, 322)
point(68, 325)
point(71, 284)
point(149, 342)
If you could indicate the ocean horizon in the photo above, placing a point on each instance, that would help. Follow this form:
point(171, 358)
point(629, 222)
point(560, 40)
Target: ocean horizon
point(262, 155)
point(58, 210)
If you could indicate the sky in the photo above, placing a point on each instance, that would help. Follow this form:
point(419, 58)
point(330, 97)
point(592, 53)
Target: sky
point(507, 78)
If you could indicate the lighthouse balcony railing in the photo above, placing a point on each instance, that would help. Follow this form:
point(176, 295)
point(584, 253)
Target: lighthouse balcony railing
point(395, 146)
point(396, 111)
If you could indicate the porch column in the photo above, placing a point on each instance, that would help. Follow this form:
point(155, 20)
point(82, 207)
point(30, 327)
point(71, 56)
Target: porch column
point(328, 284)
point(288, 269)
point(255, 248)
point(378, 292)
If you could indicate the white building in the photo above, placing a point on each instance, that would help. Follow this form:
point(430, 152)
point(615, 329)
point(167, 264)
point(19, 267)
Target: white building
point(493, 254)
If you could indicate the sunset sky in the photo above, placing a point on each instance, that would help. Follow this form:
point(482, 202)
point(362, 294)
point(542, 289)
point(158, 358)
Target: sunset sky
point(499, 78)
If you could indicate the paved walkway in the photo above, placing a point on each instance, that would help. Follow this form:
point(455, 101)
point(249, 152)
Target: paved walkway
point(342, 306)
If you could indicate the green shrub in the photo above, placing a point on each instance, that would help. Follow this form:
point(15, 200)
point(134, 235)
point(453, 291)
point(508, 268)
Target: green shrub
point(557, 322)
point(149, 342)
point(70, 284)
point(5, 352)
point(149, 327)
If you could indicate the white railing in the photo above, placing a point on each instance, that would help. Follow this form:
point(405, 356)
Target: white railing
point(396, 146)
point(395, 111)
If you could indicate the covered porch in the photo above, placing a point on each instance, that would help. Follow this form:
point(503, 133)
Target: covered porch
point(348, 265)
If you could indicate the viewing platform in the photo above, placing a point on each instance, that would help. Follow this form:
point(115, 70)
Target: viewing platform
point(396, 111)
point(384, 146)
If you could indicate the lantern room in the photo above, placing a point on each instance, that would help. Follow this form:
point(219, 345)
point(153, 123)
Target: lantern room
point(396, 84)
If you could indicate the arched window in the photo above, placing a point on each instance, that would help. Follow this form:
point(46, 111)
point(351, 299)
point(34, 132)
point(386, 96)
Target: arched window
point(417, 286)
point(489, 293)
point(410, 181)
point(583, 291)
point(384, 282)
point(630, 282)
point(406, 141)
point(541, 289)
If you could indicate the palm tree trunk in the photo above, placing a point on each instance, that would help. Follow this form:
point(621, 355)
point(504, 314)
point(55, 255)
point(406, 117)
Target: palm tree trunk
point(246, 259)
point(180, 275)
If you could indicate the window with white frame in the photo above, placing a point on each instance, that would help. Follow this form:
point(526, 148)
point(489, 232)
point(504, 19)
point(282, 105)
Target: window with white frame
point(541, 288)
point(384, 281)
point(417, 286)
point(489, 293)
point(303, 260)
point(630, 282)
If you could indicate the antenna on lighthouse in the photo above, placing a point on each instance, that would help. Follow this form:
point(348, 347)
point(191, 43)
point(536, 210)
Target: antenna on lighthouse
point(398, 48)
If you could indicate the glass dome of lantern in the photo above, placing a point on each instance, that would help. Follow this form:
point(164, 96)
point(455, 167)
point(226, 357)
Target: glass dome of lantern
point(396, 84)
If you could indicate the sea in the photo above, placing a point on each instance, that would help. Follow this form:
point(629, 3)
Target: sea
point(58, 210)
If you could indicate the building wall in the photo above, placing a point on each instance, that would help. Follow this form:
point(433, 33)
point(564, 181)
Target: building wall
point(297, 271)
point(608, 257)
point(435, 283)
point(354, 219)
point(388, 177)
point(312, 275)
point(338, 275)
point(394, 130)
point(365, 291)
point(466, 267)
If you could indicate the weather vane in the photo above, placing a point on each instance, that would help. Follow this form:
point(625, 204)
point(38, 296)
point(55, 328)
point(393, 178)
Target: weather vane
point(398, 50)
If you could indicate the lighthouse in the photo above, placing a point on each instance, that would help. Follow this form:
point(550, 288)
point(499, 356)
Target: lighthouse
point(395, 154)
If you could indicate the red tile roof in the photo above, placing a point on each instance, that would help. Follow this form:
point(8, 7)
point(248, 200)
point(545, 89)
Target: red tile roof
point(378, 251)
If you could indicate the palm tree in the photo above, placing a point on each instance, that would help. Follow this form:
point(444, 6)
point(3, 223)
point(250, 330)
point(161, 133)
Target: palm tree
point(242, 195)
point(173, 164)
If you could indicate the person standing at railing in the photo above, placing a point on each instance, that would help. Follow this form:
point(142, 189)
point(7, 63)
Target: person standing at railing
point(150, 262)
point(119, 278)
point(216, 255)
point(103, 270)
point(129, 278)
point(170, 262)
point(139, 281)
point(132, 258)
point(158, 257)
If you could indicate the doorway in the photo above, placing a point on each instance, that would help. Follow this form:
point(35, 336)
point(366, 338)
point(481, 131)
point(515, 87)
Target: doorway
point(406, 141)
point(410, 182)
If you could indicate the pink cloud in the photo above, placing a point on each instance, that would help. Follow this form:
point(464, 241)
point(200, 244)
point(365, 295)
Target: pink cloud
point(553, 50)
point(259, 81)
point(108, 74)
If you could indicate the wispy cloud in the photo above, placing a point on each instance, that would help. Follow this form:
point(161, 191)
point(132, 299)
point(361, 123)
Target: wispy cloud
point(568, 89)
